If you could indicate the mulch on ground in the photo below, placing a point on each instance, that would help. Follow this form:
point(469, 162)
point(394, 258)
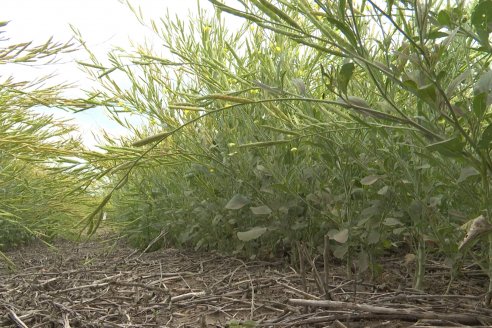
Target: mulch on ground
point(100, 284)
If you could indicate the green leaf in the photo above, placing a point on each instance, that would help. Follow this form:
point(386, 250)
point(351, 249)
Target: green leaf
point(444, 18)
point(280, 13)
point(481, 19)
point(453, 85)
point(263, 144)
point(399, 231)
point(435, 201)
point(341, 9)
point(484, 85)
point(383, 191)
point(467, 172)
point(370, 211)
point(109, 71)
point(251, 234)
point(341, 236)
point(357, 193)
point(340, 251)
point(344, 77)
point(486, 137)
point(390, 5)
point(450, 147)
point(415, 210)
point(261, 210)
point(369, 180)
point(373, 237)
point(237, 202)
point(410, 84)
point(428, 93)
point(479, 104)
point(345, 29)
point(357, 101)
point(390, 222)
point(436, 34)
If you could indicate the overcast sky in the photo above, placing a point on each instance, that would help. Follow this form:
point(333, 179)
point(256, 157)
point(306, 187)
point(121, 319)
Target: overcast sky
point(102, 23)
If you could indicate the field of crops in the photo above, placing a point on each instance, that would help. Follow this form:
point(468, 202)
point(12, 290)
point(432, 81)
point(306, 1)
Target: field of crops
point(320, 132)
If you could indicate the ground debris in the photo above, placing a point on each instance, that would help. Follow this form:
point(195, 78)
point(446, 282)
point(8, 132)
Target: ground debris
point(97, 284)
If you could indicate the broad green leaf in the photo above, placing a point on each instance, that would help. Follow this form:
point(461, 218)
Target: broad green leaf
point(341, 236)
point(390, 222)
point(237, 202)
point(344, 77)
point(436, 34)
point(410, 84)
point(415, 210)
point(428, 93)
point(449, 147)
point(399, 231)
point(267, 189)
point(299, 225)
point(340, 251)
point(444, 18)
point(369, 180)
point(484, 85)
point(251, 234)
point(481, 19)
point(435, 201)
point(418, 78)
point(373, 237)
point(467, 172)
point(480, 104)
point(370, 211)
point(486, 138)
point(261, 210)
point(482, 15)
point(357, 193)
point(383, 191)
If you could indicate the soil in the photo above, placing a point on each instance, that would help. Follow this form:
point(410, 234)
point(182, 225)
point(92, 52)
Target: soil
point(103, 283)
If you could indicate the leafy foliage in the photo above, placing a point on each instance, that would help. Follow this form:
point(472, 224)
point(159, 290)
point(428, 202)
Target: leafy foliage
point(368, 124)
point(40, 190)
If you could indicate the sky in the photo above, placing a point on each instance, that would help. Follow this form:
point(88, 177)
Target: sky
point(103, 24)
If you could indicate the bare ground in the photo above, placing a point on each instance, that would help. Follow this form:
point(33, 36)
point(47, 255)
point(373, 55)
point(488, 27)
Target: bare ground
point(100, 284)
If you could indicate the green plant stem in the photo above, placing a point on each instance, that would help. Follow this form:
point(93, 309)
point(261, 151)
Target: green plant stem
point(420, 271)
